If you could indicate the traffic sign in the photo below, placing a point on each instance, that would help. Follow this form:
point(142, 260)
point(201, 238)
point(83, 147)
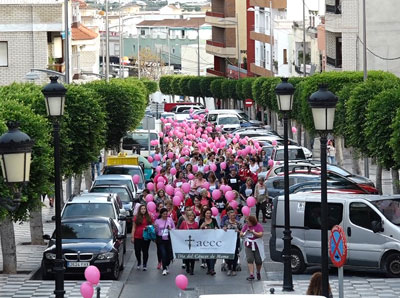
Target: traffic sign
point(338, 246)
point(248, 102)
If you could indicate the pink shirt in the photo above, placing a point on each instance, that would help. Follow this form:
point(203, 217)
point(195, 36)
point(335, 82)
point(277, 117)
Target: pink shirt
point(257, 228)
point(162, 227)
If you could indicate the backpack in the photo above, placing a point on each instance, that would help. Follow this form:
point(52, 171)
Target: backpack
point(149, 233)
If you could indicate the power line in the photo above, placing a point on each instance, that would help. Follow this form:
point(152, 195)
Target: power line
point(376, 55)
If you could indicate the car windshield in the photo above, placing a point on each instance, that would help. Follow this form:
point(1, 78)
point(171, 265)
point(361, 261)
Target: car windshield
point(244, 116)
point(141, 139)
point(114, 182)
point(228, 120)
point(126, 171)
point(86, 230)
point(338, 170)
point(293, 154)
point(88, 209)
point(390, 208)
point(120, 191)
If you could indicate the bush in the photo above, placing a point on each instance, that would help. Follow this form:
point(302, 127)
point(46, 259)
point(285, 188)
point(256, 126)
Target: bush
point(176, 85)
point(257, 91)
point(216, 88)
point(247, 90)
point(194, 87)
point(184, 85)
point(205, 86)
point(166, 84)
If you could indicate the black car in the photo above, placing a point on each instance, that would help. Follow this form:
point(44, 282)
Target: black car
point(87, 241)
point(127, 199)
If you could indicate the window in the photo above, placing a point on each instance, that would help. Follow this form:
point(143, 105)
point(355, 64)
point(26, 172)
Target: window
point(142, 32)
point(390, 209)
point(285, 56)
point(312, 215)
point(362, 215)
point(3, 53)
point(183, 33)
point(173, 50)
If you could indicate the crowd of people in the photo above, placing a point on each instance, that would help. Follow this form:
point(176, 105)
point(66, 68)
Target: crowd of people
point(203, 179)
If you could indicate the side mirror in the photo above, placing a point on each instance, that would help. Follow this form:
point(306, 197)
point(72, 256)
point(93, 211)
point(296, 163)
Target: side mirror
point(377, 226)
point(121, 217)
point(46, 237)
point(120, 237)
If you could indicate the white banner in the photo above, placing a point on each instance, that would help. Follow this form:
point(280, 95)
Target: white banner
point(203, 244)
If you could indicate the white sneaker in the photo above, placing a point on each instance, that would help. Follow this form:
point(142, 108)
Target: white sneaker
point(164, 272)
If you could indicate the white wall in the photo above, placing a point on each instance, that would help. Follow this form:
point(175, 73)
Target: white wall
point(189, 60)
point(295, 8)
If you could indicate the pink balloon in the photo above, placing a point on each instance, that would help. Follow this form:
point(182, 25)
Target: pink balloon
point(181, 281)
point(157, 157)
point(179, 194)
point(274, 143)
point(195, 169)
point(206, 185)
point(160, 134)
point(170, 155)
point(150, 159)
point(166, 140)
point(234, 141)
point(186, 187)
point(222, 188)
point(149, 198)
point(158, 169)
point(245, 210)
point(182, 160)
point(213, 167)
point(294, 129)
point(214, 211)
point(233, 204)
point(150, 186)
point(173, 171)
point(136, 179)
point(160, 185)
point(206, 168)
point(191, 176)
point(228, 188)
point(251, 201)
point(92, 274)
point(87, 290)
point(271, 163)
point(151, 206)
point(169, 190)
point(230, 195)
point(216, 194)
point(176, 200)
point(223, 165)
point(160, 179)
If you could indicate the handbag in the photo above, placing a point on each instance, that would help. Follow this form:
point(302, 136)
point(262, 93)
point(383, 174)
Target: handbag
point(149, 233)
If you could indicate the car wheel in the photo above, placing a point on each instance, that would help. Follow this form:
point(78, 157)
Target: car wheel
point(393, 265)
point(114, 275)
point(121, 267)
point(298, 264)
point(45, 274)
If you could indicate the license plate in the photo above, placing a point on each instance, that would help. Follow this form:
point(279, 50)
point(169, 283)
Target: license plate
point(78, 264)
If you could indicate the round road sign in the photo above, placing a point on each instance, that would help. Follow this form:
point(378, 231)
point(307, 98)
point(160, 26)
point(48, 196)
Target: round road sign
point(338, 246)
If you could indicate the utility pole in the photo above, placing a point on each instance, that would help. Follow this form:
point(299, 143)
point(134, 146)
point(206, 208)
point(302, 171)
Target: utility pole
point(169, 51)
point(271, 23)
point(138, 55)
point(238, 44)
point(366, 161)
point(304, 39)
point(107, 45)
point(120, 41)
point(198, 49)
point(66, 43)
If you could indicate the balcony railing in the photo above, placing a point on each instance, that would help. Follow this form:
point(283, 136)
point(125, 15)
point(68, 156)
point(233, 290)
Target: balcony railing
point(215, 14)
point(215, 72)
point(336, 9)
point(337, 63)
point(216, 43)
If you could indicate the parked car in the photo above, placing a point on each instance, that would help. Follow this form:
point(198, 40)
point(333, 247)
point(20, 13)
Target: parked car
point(138, 142)
point(276, 185)
point(118, 180)
point(127, 199)
point(183, 112)
point(371, 224)
point(97, 204)
point(295, 153)
point(228, 122)
point(213, 115)
point(86, 241)
point(128, 170)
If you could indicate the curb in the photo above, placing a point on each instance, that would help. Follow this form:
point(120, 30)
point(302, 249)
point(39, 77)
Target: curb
point(119, 285)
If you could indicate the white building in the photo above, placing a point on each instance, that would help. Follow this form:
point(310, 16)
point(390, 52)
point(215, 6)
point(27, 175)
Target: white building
point(189, 59)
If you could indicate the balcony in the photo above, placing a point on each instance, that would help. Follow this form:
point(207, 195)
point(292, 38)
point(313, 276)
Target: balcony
point(276, 4)
point(219, 19)
point(220, 49)
point(261, 71)
point(336, 63)
point(213, 72)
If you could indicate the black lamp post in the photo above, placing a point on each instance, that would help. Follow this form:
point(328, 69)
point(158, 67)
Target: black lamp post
point(284, 94)
point(323, 105)
point(15, 158)
point(54, 93)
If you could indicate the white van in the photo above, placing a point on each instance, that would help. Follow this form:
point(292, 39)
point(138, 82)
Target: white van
point(371, 224)
point(243, 117)
point(257, 296)
point(138, 142)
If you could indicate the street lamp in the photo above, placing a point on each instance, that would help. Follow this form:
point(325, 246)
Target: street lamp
point(54, 93)
point(323, 105)
point(15, 158)
point(284, 94)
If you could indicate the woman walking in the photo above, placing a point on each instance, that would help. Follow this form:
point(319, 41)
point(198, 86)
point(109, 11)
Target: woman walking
point(233, 224)
point(253, 232)
point(163, 225)
point(206, 223)
point(189, 224)
point(261, 194)
point(140, 222)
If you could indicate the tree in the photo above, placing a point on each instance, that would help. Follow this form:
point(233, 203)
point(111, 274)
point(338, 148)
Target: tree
point(184, 85)
point(37, 128)
point(257, 90)
point(247, 89)
point(205, 85)
point(194, 87)
point(166, 84)
point(216, 88)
